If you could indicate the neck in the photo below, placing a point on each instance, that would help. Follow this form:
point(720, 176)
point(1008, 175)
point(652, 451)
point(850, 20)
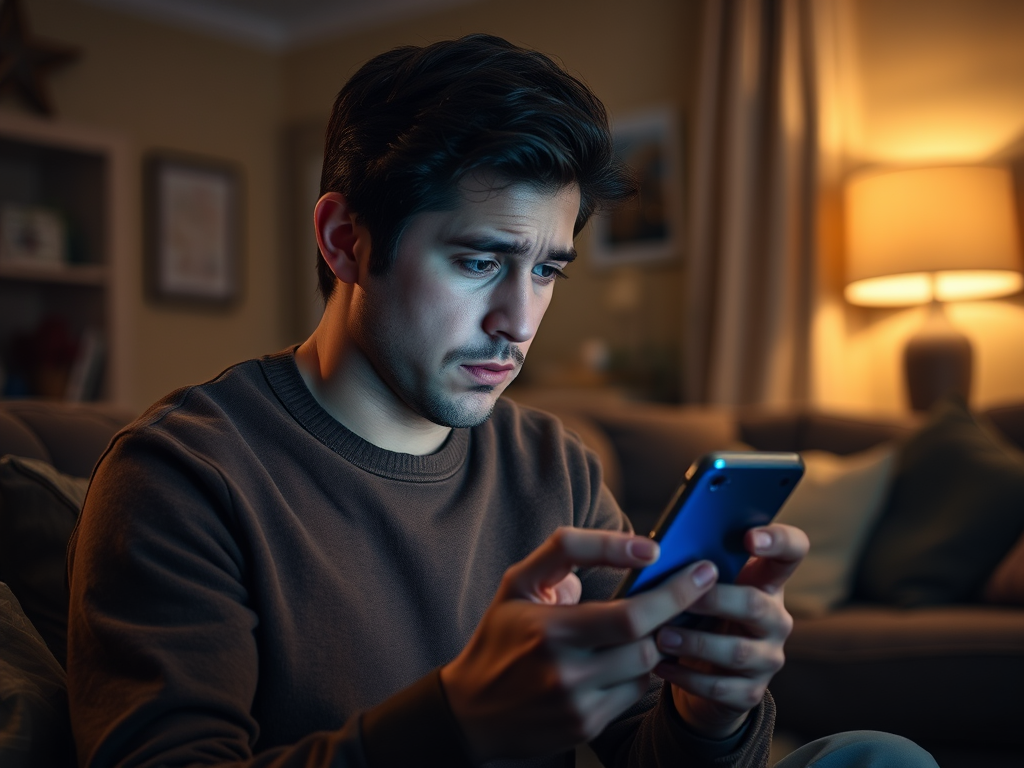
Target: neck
point(346, 385)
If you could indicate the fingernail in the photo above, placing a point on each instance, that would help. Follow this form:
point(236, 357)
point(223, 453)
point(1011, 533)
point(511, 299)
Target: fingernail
point(762, 540)
point(642, 549)
point(704, 574)
point(670, 640)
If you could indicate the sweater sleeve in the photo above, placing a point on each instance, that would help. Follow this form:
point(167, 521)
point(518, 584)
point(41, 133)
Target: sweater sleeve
point(163, 660)
point(651, 734)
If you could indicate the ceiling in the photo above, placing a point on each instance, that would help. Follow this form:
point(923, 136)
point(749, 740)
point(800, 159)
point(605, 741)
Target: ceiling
point(276, 24)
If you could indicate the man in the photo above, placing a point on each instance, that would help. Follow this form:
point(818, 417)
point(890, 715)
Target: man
point(352, 553)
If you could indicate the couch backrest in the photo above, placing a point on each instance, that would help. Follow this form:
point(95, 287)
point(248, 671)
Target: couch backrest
point(71, 436)
point(803, 430)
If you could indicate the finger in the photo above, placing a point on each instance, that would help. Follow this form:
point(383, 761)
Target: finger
point(602, 624)
point(743, 655)
point(617, 699)
point(568, 548)
point(735, 692)
point(598, 707)
point(613, 666)
point(758, 612)
point(778, 550)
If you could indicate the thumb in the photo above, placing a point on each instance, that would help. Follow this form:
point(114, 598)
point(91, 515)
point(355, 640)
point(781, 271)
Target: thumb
point(568, 548)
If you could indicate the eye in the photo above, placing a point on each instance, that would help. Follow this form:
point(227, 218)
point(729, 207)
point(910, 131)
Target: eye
point(479, 266)
point(549, 272)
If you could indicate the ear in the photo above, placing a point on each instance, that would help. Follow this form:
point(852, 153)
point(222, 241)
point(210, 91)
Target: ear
point(343, 242)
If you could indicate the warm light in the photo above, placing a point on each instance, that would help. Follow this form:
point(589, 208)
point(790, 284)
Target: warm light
point(938, 233)
point(891, 290)
point(966, 285)
point(919, 288)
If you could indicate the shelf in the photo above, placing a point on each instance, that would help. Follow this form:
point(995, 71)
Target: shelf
point(81, 174)
point(60, 274)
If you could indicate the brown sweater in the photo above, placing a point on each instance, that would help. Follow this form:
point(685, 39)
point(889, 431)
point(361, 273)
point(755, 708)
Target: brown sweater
point(252, 583)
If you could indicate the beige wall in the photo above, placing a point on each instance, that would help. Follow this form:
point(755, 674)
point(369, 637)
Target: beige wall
point(932, 82)
point(159, 87)
point(634, 55)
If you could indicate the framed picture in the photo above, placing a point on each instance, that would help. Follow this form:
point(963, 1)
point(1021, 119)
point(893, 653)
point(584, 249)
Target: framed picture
point(646, 229)
point(193, 229)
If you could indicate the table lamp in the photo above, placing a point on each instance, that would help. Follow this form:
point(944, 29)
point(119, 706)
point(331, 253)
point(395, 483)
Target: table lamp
point(929, 236)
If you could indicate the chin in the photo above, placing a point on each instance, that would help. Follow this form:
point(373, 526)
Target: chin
point(467, 410)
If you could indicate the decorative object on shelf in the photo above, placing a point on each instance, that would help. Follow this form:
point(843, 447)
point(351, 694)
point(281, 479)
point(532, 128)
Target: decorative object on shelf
point(193, 229)
point(41, 359)
point(32, 235)
point(644, 230)
point(25, 62)
point(86, 373)
point(930, 236)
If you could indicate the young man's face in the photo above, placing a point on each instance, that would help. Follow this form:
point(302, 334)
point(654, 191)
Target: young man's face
point(448, 326)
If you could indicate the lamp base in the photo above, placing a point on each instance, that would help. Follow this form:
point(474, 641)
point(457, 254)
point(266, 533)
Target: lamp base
point(937, 361)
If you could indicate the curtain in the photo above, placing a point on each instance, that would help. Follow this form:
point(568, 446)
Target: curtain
point(750, 271)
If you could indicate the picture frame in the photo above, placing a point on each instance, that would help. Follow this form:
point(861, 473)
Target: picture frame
point(193, 226)
point(645, 230)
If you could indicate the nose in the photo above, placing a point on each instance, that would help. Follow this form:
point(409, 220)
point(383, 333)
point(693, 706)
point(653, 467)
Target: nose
point(515, 309)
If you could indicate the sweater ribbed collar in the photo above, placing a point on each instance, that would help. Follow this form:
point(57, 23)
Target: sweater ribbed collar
point(283, 376)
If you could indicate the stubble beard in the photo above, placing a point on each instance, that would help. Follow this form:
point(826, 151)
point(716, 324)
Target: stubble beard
point(425, 395)
point(467, 410)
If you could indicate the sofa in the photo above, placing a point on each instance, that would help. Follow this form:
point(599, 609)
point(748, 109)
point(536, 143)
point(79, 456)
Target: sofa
point(946, 675)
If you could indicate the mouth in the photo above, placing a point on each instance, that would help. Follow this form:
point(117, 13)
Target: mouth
point(489, 373)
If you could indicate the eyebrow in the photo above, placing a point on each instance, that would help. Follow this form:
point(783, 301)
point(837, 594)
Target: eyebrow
point(509, 247)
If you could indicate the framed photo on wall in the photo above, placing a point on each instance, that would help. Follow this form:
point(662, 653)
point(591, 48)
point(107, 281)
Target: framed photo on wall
point(644, 230)
point(193, 229)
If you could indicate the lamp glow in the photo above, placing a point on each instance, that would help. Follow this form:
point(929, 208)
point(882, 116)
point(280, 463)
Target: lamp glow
point(923, 287)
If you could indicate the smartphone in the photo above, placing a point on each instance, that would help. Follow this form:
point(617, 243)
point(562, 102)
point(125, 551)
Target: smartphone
point(724, 494)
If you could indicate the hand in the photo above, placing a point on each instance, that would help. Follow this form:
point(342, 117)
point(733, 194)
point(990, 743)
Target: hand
point(720, 676)
point(543, 673)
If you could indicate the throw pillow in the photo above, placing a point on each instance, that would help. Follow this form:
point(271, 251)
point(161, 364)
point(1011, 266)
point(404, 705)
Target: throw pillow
point(955, 510)
point(1006, 585)
point(34, 725)
point(38, 510)
point(836, 504)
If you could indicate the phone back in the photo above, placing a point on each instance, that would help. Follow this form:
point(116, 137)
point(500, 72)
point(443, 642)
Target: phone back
point(725, 494)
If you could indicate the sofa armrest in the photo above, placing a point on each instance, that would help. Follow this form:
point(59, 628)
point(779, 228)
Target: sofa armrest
point(71, 436)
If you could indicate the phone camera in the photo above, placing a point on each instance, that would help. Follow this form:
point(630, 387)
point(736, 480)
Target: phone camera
point(717, 482)
point(784, 482)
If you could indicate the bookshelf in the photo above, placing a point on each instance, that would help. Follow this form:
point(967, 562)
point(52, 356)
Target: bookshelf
point(63, 315)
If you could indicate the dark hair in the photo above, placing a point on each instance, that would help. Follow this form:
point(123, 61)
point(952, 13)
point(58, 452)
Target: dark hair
point(413, 122)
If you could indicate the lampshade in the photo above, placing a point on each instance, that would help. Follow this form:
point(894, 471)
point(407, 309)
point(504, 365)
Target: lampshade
point(936, 233)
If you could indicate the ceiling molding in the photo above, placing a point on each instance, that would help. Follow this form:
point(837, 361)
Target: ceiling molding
point(276, 25)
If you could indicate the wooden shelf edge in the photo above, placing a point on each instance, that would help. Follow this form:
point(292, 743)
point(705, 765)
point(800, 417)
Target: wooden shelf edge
point(66, 274)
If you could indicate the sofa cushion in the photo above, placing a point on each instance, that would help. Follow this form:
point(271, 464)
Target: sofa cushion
point(1009, 420)
point(34, 726)
point(836, 504)
point(1006, 585)
point(947, 675)
point(955, 510)
point(38, 510)
point(17, 438)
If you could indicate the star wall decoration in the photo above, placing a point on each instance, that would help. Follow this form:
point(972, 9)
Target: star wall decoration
point(24, 62)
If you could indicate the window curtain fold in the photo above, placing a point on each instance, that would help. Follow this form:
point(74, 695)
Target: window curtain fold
point(750, 271)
